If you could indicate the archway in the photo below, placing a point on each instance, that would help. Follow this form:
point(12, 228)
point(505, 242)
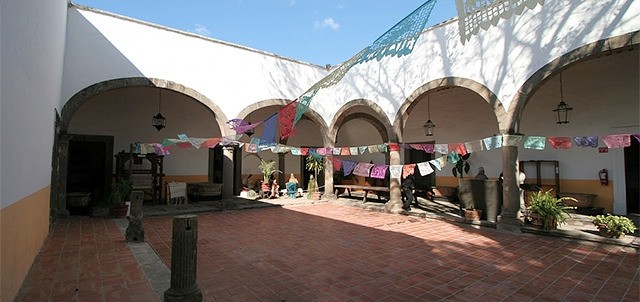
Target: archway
point(122, 109)
point(600, 82)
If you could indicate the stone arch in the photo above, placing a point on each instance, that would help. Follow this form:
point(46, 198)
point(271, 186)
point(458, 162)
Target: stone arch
point(78, 99)
point(511, 124)
point(310, 114)
point(379, 121)
point(485, 93)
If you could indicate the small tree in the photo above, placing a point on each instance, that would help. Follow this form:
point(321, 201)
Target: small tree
point(314, 164)
point(267, 168)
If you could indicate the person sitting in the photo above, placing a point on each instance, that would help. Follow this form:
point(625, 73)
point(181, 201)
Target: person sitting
point(481, 175)
point(292, 186)
point(274, 189)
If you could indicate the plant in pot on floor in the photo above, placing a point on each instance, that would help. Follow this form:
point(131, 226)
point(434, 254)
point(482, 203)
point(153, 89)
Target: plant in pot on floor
point(267, 168)
point(546, 211)
point(121, 191)
point(614, 226)
point(471, 214)
point(315, 164)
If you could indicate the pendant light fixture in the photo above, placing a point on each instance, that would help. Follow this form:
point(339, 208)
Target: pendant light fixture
point(563, 111)
point(159, 121)
point(429, 125)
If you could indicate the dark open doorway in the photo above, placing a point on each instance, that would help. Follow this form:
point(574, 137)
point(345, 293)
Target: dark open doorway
point(423, 184)
point(632, 176)
point(89, 172)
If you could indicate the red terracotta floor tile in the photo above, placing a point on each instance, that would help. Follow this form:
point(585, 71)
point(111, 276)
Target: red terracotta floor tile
point(329, 252)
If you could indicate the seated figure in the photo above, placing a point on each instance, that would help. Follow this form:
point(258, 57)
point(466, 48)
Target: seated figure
point(481, 175)
point(274, 189)
point(292, 189)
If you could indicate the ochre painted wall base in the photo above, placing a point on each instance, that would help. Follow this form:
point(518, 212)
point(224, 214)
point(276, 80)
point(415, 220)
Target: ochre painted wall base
point(587, 186)
point(24, 226)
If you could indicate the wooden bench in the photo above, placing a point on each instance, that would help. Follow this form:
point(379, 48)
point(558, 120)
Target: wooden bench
point(366, 189)
point(202, 191)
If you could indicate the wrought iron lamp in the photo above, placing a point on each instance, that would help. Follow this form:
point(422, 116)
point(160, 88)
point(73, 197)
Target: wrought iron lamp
point(429, 125)
point(563, 111)
point(158, 120)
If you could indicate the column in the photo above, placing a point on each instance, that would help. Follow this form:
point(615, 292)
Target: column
point(184, 260)
point(510, 219)
point(282, 181)
point(227, 172)
point(63, 159)
point(328, 178)
point(135, 230)
point(394, 205)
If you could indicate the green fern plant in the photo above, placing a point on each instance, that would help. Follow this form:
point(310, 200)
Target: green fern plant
point(549, 208)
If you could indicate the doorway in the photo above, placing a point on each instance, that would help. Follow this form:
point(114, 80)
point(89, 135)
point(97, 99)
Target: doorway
point(632, 176)
point(89, 172)
point(423, 184)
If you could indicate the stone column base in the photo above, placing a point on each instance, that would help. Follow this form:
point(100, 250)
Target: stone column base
point(509, 224)
point(394, 206)
point(329, 196)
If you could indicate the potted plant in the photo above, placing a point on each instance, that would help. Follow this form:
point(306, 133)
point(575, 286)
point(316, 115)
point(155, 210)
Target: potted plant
point(267, 168)
point(314, 164)
point(121, 190)
point(546, 211)
point(471, 214)
point(614, 226)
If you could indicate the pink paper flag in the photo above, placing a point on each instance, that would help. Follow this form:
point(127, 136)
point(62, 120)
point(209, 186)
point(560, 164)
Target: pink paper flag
point(617, 140)
point(558, 142)
point(379, 171)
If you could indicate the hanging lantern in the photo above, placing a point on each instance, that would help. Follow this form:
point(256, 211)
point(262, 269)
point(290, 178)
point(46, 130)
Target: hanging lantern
point(429, 125)
point(158, 120)
point(563, 111)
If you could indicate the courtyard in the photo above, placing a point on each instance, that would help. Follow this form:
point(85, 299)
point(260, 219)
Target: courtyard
point(329, 251)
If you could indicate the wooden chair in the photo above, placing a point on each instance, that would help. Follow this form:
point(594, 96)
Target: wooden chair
point(177, 193)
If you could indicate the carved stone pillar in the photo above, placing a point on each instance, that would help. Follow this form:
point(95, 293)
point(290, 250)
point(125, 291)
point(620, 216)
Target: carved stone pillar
point(282, 167)
point(184, 260)
point(510, 219)
point(227, 172)
point(63, 160)
point(135, 230)
point(328, 179)
point(394, 205)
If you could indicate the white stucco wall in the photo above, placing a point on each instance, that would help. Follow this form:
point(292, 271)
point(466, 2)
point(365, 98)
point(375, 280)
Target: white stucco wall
point(501, 58)
point(103, 46)
point(33, 38)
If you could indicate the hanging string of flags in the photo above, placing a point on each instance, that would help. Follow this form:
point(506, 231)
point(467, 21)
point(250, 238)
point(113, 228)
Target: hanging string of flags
point(398, 41)
point(449, 153)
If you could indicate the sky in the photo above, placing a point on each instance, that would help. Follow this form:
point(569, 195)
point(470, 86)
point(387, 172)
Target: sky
point(314, 31)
